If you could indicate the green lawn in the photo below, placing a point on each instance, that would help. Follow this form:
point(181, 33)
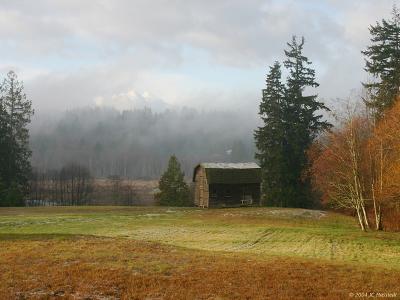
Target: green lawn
point(265, 232)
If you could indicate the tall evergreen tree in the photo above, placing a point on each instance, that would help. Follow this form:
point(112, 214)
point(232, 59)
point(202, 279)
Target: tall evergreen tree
point(292, 121)
point(174, 191)
point(304, 122)
point(15, 115)
point(382, 61)
point(271, 139)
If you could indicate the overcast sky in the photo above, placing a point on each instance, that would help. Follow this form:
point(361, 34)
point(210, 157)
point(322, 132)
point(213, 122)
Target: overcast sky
point(203, 54)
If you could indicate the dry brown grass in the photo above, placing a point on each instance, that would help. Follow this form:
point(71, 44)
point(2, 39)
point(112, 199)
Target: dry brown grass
point(51, 267)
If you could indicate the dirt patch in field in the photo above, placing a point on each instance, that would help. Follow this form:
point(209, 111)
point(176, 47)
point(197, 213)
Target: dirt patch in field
point(106, 268)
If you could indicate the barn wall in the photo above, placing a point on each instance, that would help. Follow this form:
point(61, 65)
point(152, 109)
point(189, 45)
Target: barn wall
point(233, 194)
point(201, 188)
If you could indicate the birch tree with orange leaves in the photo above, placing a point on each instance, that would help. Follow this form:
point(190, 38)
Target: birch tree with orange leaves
point(384, 150)
point(339, 170)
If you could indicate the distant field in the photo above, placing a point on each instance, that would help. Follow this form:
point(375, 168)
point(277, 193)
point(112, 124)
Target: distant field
point(186, 253)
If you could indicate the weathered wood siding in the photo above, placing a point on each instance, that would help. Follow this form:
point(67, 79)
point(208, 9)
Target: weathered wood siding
point(230, 195)
point(201, 197)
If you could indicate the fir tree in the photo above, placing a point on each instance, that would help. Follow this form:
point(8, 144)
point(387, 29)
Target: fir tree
point(15, 115)
point(271, 139)
point(174, 191)
point(291, 123)
point(382, 61)
point(303, 122)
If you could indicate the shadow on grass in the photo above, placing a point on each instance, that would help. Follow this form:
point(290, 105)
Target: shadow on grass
point(41, 236)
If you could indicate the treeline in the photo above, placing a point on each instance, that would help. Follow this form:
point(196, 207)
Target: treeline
point(74, 185)
point(358, 164)
point(137, 144)
point(354, 166)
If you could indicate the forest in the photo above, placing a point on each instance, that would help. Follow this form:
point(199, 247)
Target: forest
point(136, 144)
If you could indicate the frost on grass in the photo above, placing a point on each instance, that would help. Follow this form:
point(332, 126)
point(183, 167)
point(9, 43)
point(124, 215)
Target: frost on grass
point(278, 213)
point(152, 215)
point(299, 213)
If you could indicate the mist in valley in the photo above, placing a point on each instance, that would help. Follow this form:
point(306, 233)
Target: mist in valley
point(137, 143)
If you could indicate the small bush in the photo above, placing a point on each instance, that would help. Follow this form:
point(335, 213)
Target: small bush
point(11, 196)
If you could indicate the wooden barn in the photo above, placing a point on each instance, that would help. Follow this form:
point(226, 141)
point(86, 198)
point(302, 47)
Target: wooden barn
point(227, 184)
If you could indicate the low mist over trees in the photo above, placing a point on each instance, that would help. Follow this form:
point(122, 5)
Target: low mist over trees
point(137, 144)
point(15, 115)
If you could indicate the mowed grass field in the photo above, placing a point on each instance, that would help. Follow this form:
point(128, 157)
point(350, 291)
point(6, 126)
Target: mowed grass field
point(191, 253)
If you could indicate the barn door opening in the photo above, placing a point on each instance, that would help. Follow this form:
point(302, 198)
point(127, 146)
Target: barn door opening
point(247, 197)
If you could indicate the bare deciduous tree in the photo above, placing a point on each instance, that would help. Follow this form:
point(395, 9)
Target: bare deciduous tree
point(339, 170)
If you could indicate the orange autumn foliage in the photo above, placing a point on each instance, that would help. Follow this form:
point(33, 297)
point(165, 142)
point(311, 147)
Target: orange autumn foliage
point(384, 145)
point(375, 148)
point(330, 167)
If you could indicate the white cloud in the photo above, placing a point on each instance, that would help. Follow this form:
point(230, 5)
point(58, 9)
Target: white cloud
point(72, 53)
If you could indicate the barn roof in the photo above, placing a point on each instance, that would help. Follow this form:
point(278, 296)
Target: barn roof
point(247, 165)
point(230, 173)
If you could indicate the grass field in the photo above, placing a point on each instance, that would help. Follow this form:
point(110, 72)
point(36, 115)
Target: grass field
point(190, 253)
